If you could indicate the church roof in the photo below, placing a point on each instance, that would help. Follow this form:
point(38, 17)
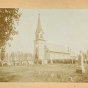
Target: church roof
point(56, 48)
point(39, 29)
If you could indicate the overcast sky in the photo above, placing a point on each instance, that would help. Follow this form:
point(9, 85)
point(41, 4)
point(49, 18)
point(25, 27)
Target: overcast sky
point(61, 26)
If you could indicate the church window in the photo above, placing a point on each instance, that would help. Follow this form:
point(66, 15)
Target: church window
point(41, 36)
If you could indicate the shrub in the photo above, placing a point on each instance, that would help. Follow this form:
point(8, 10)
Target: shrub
point(67, 61)
point(35, 61)
point(87, 61)
point(5, 64)
point(54, 61)
point(63, 61)
point(39, 62)
point(49, 61)
point(74, 61)
point(58, 61)
point(0, 64)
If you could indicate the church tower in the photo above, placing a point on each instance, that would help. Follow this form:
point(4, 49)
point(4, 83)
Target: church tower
point(39, 41)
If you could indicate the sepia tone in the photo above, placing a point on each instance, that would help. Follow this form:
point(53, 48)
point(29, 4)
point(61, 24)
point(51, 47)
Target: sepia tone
point(40, 46)
point(82, 4)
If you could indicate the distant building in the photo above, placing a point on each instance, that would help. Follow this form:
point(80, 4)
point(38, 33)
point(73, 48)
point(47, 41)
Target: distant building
point(44, 50)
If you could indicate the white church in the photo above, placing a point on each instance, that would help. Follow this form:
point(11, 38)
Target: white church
point(46, 51)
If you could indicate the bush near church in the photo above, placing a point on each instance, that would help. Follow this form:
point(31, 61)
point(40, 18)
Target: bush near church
point(49, 61)
point(39, 62)
point(64, 61)
point(60, 61)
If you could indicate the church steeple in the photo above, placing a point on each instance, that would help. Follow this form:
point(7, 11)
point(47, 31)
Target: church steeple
point(39, 28)
point(39, 41)
point(39, 32)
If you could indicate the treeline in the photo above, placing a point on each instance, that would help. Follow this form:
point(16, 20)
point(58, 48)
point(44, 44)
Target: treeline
point(17, 56)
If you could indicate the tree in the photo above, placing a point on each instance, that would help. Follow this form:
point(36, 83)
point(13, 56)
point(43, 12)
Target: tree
point(8, 17)
point(87, 53)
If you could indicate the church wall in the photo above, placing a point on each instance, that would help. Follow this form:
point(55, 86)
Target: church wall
point(47, 53)
point(54, 55)
point(41, 50)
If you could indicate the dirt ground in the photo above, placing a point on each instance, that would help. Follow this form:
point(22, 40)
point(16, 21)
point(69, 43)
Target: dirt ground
point(42, 73)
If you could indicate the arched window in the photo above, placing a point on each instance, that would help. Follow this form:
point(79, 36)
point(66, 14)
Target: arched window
point(41, 36)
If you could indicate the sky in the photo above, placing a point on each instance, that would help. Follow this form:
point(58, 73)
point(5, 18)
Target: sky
point(67, 27)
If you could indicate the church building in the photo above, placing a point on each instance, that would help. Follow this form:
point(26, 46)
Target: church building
point(45, 50)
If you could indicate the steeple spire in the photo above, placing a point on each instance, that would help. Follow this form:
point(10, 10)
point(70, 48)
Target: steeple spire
point(39, 29)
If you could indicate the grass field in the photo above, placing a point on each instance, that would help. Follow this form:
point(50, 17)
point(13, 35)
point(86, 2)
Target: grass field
point(42, 73)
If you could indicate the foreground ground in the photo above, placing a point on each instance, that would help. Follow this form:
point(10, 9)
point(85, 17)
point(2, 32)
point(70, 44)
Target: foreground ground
point(42, 73)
